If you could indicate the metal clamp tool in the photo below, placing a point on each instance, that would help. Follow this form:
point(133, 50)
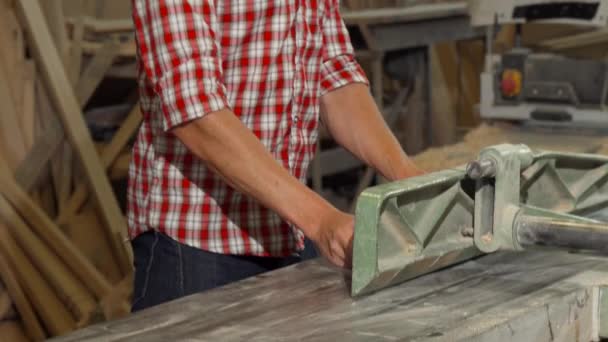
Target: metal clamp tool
point(510, 198)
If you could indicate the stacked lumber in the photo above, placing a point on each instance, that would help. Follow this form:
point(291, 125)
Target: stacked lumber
point(65, 260)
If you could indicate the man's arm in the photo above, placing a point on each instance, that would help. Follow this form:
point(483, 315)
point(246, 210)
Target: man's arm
point(179, 52)
point(353, 119)
point(222, 141)
point(348, 109)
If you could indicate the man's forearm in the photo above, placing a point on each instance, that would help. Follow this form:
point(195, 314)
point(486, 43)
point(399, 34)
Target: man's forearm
point(355, 122)
point(222, 141)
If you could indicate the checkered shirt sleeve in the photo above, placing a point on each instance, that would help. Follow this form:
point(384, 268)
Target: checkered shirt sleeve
point(339, 66)
point(180, 57)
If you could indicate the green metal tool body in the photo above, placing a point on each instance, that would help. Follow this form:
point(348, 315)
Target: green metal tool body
point(509, 199)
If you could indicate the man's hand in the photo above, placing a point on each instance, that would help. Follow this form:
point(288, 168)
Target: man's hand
point(334, 238)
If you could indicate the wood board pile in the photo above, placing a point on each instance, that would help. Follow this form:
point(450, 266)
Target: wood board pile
point(65, 261)
point(455, 155)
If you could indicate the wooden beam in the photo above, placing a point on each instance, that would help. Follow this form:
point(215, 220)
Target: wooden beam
point(28, 115)
point(53, 236)
point(108, 156)
point(61, 171)
point(443, 118)
point(12, 141)
point(75, 60)
point(53, 11)
point(576, 40)
point(125, 49)
point(65, 284)
point(23, 305)
point(13, 53)
point(53, 314)
point(104, 25)
point(95, 72)
point(6, 304)
point(29, 172)
point(65, 101)
point(13, 331)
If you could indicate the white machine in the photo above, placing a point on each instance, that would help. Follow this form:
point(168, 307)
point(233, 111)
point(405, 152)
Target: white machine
point(543, 88)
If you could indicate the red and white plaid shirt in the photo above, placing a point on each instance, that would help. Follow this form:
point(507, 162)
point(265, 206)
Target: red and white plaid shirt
point(269, 61)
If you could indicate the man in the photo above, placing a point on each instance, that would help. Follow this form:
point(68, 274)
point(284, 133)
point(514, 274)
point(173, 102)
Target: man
point(231, 93)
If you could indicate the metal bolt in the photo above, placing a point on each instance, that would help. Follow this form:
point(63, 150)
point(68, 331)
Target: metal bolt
point(467, 231)
point(481, 168)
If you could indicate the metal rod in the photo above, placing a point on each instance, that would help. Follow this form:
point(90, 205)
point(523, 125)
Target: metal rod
point(554, 232)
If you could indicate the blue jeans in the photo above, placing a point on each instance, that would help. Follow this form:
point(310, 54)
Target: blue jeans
point(166, 269)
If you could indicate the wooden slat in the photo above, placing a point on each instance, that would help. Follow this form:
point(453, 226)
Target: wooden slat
point(125, 49)
point(28, 114)
point(120, 168)
point(75, 60)
point(65, 284)
point(95, 72)
point(443, 118)
point(108, 156)
point(69, 111)
point(576, 40)
point(52, 236)
point(61, 170)
point(47, 123)
point(104, 25)
point(53, 11)
point(472, 55)
point(13, 331)
point(12, 141)
point(24, 307)
point(6, 304)
point(53, 314)
point(12, 56)
point(29, 172)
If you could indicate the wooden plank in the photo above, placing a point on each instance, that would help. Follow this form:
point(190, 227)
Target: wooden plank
point(47, 123)
point(576, 40)
point(108, 156)
point(56, 21)
point(24, 307)
point(125, 49)
point(443, 118)
point(87, 232)
point(52, 236)
point(13, 143)
point(472, 55)
point(29, 172)
point(95, 72)
point(61, 169)
point(75, 60)
point(13, 331)
point(64, 283)
point(120, 167)
point(53, 314)
point(28, 114)
point(6, 304)
point(69, 110)
point(106, 26)
point(414, 125)
point(11, 39)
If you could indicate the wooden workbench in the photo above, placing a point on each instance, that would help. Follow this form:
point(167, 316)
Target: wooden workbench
point(527, 296)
